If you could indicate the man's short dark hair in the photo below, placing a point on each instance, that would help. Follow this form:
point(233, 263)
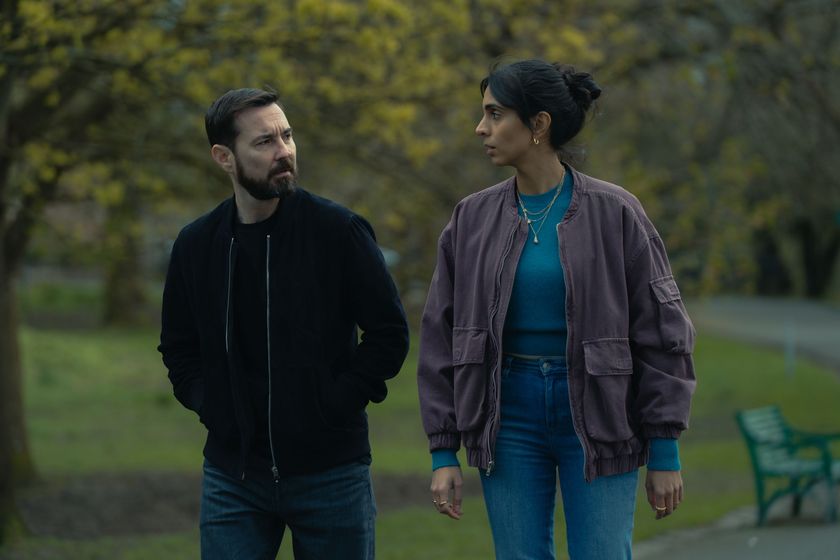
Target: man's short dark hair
point(219, 121)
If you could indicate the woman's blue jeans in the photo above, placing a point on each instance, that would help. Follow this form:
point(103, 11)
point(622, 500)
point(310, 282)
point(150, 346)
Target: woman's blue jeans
point(537, 446)
point(331, 514)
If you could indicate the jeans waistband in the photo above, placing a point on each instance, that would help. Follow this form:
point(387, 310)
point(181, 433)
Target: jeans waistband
point(544, 365)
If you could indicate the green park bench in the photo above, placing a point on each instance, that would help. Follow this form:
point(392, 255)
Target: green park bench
point(789, 460)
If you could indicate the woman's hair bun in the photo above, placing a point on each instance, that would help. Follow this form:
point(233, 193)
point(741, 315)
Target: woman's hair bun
point(581, 85)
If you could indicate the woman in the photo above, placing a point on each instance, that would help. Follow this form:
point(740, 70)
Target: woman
point(554, 342)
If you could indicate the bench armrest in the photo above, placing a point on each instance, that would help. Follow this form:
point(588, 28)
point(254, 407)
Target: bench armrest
point(814, 438)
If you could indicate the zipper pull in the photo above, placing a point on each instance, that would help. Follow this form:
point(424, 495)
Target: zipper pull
point(276, 474)
point(489, 468)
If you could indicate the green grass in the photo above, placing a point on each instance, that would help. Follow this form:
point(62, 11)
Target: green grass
point(61, 298)
point(99, 400)
point(168, 547)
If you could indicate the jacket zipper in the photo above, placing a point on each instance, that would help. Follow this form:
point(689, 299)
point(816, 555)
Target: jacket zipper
point(227, 304)
point(566, 276)
point(274, 470)
point(494, 387)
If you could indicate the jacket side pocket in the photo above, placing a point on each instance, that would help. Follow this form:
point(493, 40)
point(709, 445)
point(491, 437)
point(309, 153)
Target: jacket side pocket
point(675, 327)
point(469, 347)
point(606, 396)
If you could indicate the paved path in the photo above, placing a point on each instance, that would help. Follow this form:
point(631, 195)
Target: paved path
point(788, 542)
point(799, 328)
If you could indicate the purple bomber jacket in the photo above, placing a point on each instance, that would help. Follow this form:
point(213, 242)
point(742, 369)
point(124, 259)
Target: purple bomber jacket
point(630, 339)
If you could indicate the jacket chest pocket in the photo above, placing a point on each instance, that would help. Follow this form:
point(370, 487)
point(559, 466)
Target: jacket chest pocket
point(607, 388)
point(469, 348)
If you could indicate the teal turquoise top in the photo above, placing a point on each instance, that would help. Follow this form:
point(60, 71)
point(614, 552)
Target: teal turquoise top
point(536, 326)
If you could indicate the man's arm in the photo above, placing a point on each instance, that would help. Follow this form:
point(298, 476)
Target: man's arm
point(377, 310)
point(179, 338)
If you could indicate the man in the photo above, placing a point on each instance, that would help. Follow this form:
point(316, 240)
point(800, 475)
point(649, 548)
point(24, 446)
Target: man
point(260, 312)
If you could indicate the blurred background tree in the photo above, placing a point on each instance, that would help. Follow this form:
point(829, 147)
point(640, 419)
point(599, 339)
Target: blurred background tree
point(722, 117)
point(732, 135)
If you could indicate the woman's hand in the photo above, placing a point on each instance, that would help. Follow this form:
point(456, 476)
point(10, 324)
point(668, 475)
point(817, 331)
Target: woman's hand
point(446, 491)
point(664, 491)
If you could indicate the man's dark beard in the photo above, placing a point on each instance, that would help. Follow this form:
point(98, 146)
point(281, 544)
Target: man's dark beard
point(266, 189)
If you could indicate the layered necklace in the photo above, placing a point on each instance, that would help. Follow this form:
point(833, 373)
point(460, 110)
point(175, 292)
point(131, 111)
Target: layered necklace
point(539, 216)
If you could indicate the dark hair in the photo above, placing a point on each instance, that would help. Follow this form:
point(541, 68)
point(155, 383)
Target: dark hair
point(219, 121)
point(531, 86)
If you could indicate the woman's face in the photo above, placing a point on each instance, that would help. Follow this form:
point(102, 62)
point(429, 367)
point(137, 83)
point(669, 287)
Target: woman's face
point(506, 138)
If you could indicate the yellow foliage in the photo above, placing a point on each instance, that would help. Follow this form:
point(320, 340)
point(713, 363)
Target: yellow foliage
point(454, 16)
point(750, 35)
point(395, 221)
point(330, 88)
point(83, 179)
point(35, 13)
point(390, 122)
point(332, 11)
point(374, 41)
point(43, 77)
point(52, 99)
point(390, 9)
point(46, 174)
point(422, 149)
point(157, 187)
point(109, 193)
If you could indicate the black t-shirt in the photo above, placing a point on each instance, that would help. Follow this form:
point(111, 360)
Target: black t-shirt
point(249, 328)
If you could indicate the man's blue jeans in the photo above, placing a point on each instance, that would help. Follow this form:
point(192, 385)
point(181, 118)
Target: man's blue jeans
point(330, 514)
point(537, 445)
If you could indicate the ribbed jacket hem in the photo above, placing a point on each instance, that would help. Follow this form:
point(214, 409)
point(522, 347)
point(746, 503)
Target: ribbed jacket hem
point(476, 457)
point(615, 465)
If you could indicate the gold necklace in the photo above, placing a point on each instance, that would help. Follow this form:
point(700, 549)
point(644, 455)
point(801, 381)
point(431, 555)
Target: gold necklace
point(545, 212)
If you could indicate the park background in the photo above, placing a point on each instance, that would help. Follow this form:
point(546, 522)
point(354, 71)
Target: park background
point(722, 116)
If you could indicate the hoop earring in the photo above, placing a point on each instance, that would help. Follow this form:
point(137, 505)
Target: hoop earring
point(536, 141)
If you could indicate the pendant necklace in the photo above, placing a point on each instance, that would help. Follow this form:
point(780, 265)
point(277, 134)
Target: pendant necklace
point(540, 215)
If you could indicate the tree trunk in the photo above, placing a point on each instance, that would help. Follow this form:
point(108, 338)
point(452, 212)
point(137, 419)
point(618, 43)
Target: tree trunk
point(773, 275)
point(15, 461)
point(6, 488)
point(16, 465)
point(819, 253)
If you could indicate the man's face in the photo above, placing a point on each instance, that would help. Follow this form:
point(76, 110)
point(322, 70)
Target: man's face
point(264, 152)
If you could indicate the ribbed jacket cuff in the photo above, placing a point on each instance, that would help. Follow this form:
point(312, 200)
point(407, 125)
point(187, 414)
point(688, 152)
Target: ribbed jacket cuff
point(444, 440)
point(665, 431)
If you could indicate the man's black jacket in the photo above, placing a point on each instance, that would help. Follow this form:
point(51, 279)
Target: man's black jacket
point(325, 276)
